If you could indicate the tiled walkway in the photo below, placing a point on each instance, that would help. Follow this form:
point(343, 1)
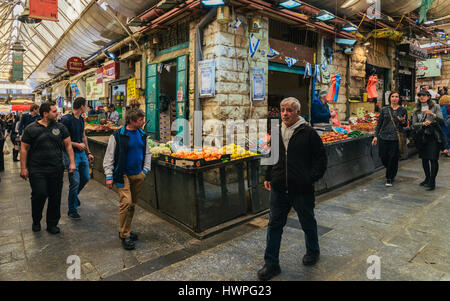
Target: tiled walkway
point(407, 227)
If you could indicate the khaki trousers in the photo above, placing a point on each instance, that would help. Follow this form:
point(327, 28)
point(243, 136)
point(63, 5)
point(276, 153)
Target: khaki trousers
point(128, 198)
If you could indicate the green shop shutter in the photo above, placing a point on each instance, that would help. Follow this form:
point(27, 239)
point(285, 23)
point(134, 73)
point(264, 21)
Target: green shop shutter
point(181, 102)
point(151, 101)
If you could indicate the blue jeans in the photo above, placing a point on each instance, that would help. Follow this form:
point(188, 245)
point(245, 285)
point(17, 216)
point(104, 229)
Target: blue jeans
point(280, 205)
point(78, 179)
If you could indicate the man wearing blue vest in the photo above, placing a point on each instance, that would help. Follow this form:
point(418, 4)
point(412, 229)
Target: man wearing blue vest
point(127, 161)
point(74, 122)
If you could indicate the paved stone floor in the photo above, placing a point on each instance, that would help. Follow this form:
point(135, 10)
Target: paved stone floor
point(407, 227)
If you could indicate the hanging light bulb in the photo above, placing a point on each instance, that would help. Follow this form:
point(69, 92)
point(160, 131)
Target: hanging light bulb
point(349, 3)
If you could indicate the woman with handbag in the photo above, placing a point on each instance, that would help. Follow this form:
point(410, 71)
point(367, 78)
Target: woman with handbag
point(429, 138)
point(389, 134)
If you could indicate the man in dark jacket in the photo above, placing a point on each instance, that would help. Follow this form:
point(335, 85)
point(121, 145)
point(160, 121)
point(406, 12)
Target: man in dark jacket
point(302, 161)
point(29, 118)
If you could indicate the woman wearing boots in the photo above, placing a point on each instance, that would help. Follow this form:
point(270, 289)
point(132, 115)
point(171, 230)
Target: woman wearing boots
point(426, 119)
point(392, 119)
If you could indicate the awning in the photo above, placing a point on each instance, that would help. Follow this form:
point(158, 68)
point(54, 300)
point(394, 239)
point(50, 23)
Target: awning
point(378, 59)
point(285, 68)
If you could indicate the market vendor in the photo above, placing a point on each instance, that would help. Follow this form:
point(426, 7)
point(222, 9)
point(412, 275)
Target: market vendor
point(320, 112)
point(113, 115)
point(91, 111)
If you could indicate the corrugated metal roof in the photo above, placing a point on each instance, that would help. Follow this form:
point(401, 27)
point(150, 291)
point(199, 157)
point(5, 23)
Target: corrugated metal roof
point(83, 29)
point(390, 7)
point(131, 8)
point(95, 29)
point(37, 39)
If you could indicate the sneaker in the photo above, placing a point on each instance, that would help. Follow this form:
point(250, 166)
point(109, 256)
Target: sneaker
point(74, 215)
point(389, 183)
point(309, 259)
point(268, 272)
point(128, 243)
point(133, 236)
point(36, 227)
point(53, 230)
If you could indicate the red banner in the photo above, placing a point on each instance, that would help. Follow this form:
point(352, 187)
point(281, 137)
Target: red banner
point(75, 65)
point(108, 72)
point(20, 107)
point(44, 9)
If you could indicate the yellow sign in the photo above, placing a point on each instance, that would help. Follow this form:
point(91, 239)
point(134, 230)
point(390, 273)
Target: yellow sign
point(132, 93)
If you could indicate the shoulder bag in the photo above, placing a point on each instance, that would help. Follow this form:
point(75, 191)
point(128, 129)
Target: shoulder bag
point(401, 136)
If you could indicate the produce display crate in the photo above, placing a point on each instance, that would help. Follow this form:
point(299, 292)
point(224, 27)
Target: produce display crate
point(98, 133)
point(193, 163)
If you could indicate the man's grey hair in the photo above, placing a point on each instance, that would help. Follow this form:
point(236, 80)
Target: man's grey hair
point(291, 101)
point(133, 115)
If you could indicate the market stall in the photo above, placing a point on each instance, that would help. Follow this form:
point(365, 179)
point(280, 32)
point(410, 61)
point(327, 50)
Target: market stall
point(202, 191)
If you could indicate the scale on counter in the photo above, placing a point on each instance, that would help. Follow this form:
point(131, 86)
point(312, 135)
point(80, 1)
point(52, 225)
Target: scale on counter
point(322, 128)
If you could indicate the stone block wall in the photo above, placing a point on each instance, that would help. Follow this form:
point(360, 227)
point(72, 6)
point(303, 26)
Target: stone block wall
point(230, 49)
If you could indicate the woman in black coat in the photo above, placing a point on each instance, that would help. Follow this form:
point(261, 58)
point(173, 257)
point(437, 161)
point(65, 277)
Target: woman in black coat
point(386, 135)
point(426, 119)
point(14, 136)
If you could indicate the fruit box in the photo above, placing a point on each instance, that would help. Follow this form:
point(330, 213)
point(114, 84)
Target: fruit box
point(192, 163)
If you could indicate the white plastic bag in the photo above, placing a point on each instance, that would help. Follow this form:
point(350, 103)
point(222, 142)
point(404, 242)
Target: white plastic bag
point(6, 150)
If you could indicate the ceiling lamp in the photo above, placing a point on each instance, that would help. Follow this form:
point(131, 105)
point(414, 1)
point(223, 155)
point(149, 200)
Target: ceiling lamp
point(223, 14)
point(324, 16)
point(213, 2)
point(17, 46)
point(25, 16)
point(349, 3)
point(349, 27)
point(290, 4)
point(346, 42)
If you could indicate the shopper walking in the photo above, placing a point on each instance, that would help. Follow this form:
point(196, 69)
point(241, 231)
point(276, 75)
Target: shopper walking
point(2, 143)
point(392, 120)
point(127, 161)
point(14, 136)
point(430, 140)
point(74, 122)
point(28, 118)
point(302, 161)
point(41, 161)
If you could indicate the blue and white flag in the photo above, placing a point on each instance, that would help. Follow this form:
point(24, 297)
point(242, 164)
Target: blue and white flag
point(290, 61)
point(317, 71)
point(254, 45)
point(308, 71)
point(324, 65)
point(272, 53)
point(236, 23)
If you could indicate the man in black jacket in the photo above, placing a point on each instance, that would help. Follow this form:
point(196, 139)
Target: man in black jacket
point(302, 161)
